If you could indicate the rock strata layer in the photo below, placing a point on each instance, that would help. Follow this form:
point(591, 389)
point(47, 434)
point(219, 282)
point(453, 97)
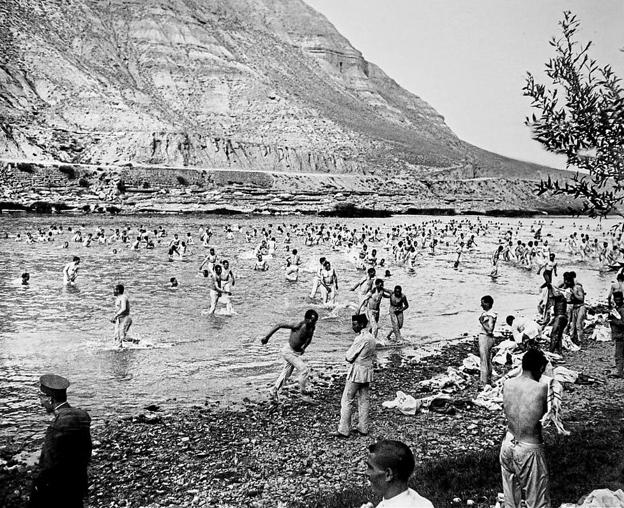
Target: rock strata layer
point(136, 189)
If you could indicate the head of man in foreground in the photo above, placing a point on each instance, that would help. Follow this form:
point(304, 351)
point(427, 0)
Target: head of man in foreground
point(389, 467)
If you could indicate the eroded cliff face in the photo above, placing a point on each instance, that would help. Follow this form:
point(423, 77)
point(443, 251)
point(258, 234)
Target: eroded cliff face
point(271, 73)
point(242, 85)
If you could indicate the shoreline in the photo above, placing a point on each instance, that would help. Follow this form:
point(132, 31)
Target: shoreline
point(52, 209)
point(262, 454)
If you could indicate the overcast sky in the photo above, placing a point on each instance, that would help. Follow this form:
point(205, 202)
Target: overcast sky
point(469, 58)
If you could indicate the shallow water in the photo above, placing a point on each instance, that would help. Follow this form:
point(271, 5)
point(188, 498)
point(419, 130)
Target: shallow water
point(48, 327)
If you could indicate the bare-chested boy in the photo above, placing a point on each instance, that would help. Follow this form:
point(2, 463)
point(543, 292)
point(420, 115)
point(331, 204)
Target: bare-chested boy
point(522, 457)
point(373, 304)
point(122, 317)
point(300, 337)
point(70, 271)
point(398, 304)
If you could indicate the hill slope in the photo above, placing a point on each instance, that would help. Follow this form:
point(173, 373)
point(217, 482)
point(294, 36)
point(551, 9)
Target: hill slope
point(160, 81)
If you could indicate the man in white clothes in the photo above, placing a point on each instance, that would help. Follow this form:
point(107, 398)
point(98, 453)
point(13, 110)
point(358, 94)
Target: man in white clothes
point(389, 466)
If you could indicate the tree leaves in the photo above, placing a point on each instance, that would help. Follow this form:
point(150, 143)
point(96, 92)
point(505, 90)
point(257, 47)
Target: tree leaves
point(581, 115)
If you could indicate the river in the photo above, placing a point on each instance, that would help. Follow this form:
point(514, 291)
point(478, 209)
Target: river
point(47, 327)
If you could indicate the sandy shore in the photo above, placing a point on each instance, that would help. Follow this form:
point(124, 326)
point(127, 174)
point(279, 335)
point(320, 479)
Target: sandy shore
point(267, 455)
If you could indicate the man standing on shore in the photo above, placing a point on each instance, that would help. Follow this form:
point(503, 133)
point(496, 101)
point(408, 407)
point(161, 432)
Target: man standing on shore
point(616, 320)
point(389, 467)
point(576, 313)
point(61, 479)
point(122, 317)
point(522, 457)
point(360, 356)
point(300, 337)
point(487, 319)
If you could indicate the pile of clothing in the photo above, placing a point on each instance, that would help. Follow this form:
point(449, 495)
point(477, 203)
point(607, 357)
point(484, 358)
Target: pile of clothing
point(601, 498)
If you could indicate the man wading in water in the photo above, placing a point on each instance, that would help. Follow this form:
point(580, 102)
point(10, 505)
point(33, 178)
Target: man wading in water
point(300, 337)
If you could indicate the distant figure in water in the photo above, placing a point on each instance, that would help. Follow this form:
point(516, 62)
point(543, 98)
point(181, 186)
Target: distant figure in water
point(292, 271)
point(398, 304)
point(70, 272)
point(261, 264)
point(25, 278)
point(174, 282)
point(496, 261)
point(122, 317)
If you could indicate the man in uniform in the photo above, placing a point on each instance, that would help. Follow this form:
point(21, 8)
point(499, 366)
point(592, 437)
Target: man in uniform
point(61, 479)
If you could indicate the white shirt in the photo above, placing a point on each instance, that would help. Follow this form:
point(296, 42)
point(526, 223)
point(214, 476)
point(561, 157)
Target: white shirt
point(524, 326)
point(407, 499)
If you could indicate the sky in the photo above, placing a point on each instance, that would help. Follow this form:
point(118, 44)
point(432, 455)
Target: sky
point(469, 58)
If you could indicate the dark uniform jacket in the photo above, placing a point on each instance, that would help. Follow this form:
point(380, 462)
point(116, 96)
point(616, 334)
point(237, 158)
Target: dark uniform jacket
point(62, 476)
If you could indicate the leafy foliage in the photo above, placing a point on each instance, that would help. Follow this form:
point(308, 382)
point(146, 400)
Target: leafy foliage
point(582, 117)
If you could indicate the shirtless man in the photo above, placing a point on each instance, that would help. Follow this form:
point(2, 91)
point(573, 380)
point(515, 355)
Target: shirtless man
point(300, 337)
point(214, 285)
point(365, 285)
point(292, 271)
point(329, 284)
point(261, 264)
point(373, 303)
point(398, 304)
point(209, 260)
point(227, 283)
point(522, 457)
point(122, 317)
point(317, 278)
point(70, 271)
point(616, 286)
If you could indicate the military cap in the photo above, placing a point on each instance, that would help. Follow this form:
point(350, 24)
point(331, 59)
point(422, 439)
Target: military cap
point(51, 383)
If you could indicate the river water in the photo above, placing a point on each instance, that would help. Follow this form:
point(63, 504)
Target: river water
point(47, 327)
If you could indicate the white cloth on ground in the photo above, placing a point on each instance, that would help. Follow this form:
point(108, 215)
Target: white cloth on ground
point(405, 403)
point(600, 498)
point(452, 380)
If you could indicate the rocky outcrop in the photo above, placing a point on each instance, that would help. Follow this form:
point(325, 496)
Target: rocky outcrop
point(132, 189)
point(231, 84)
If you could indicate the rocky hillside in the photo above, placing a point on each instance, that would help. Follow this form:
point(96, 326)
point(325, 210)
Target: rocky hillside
point(265, 85)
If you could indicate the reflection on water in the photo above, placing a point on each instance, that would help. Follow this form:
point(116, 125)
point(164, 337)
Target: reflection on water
point(48, 327)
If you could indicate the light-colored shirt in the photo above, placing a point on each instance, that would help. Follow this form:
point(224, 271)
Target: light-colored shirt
point(361, 356)
point(485, 315)
point(407, 499)
point(524, 326)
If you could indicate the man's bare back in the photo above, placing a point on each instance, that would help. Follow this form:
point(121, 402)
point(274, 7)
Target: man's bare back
point(524, 400)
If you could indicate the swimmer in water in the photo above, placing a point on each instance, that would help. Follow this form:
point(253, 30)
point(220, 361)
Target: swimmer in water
point(25, 279)
point(398, 304)
point(292, 271)
point(70, 271)
point(214, 285)
point(261, 264)
point(173, 282)
point(122, 317)
point(227, 283)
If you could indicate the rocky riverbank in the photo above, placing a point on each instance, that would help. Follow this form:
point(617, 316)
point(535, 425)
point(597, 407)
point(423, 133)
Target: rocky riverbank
point(128, 189)
point(266, 455)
